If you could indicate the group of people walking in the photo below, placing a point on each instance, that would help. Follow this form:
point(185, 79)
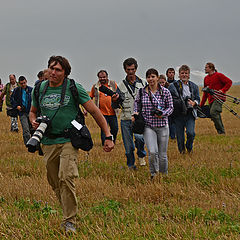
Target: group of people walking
point(168, 107)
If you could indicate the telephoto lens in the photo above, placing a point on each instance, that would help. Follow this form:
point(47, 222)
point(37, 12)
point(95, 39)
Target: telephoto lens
point(106, 90)
point(34, 141)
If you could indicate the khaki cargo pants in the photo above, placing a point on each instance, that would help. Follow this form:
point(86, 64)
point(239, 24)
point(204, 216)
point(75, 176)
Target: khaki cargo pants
point(61, 164)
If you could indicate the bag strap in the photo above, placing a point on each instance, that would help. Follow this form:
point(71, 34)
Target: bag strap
point(150, 96)
point(128, 88)
point(140, 102)
point(178, 87)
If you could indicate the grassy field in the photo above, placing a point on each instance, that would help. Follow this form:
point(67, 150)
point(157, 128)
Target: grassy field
point(199, 199)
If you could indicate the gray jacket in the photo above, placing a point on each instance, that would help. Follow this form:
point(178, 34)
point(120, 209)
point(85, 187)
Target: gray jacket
point(128, 103)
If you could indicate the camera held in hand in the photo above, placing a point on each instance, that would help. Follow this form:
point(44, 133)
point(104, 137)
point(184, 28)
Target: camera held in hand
point(33, 142)
point(156, 111)
point(110, 93)
point(188, 106)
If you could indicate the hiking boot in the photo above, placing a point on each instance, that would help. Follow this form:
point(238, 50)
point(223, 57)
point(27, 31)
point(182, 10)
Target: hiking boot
point(142, 161)
point(68, 227)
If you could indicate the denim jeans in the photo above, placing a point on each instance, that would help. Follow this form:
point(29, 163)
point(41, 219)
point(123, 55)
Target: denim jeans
point(127, 136)
point(157, 143)
point(182, 122)
point(172, 127)
point(113, 124)
point(25, 127)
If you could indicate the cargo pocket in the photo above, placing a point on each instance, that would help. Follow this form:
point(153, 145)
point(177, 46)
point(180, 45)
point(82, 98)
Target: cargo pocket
point(68, 167)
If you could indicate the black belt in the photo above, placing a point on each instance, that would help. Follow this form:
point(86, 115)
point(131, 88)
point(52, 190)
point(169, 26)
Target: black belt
point(54, 136)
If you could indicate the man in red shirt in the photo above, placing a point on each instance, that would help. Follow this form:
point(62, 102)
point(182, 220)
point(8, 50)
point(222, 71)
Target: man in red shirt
point(104, 102)
point(216, 81)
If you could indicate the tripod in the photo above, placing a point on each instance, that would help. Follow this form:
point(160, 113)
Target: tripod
point(221, 97)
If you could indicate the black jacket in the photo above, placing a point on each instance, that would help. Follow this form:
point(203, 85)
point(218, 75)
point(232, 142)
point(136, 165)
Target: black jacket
point(16, 99)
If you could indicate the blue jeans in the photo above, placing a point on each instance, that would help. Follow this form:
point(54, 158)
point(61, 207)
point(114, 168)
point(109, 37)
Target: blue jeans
point(182, 122)
point(127, 136)
point(113, 124)
point(172, 127)
point(25, 127)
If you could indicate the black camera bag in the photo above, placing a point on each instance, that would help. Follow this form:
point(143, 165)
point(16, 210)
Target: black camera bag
point(80, 138)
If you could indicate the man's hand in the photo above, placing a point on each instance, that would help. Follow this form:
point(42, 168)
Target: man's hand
point(192, 103)
point(108, 145)
point(19, 108)
point(34, 124)
point(115, 97)
point(133, 116)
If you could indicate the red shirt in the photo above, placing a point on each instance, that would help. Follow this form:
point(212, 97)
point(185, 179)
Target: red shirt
point(216, 81)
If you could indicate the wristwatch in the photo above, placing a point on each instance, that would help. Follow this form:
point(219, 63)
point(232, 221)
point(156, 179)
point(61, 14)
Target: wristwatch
point(109, 138)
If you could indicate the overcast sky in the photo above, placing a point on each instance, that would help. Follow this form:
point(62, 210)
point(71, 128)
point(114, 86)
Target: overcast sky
point(101, 34)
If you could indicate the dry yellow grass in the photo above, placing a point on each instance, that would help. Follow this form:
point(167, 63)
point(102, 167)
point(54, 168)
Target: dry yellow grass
point(199, 199)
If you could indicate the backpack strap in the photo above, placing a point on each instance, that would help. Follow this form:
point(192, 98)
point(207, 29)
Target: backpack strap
point(74, 91)
point(37, 93)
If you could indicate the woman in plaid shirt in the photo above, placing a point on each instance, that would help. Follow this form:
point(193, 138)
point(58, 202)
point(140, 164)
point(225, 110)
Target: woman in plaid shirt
point(157, 105)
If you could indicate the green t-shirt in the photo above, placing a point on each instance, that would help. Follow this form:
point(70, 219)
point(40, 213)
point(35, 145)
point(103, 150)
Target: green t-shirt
point(67, 112)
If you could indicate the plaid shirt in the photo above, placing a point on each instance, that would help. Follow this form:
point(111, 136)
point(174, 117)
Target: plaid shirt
point(164, 98)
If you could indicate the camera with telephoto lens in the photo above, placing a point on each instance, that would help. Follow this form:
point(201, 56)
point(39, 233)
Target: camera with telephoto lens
point(106, 90)
point(156, 111)
point(33, 142)
point(109, 92)
point(186, 99)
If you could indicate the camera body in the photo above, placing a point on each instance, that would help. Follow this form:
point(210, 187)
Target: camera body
point(156, 111)
point(34, 141)
point(188, 106)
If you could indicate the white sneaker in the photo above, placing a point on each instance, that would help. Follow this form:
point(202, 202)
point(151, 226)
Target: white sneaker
point(142, 161)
